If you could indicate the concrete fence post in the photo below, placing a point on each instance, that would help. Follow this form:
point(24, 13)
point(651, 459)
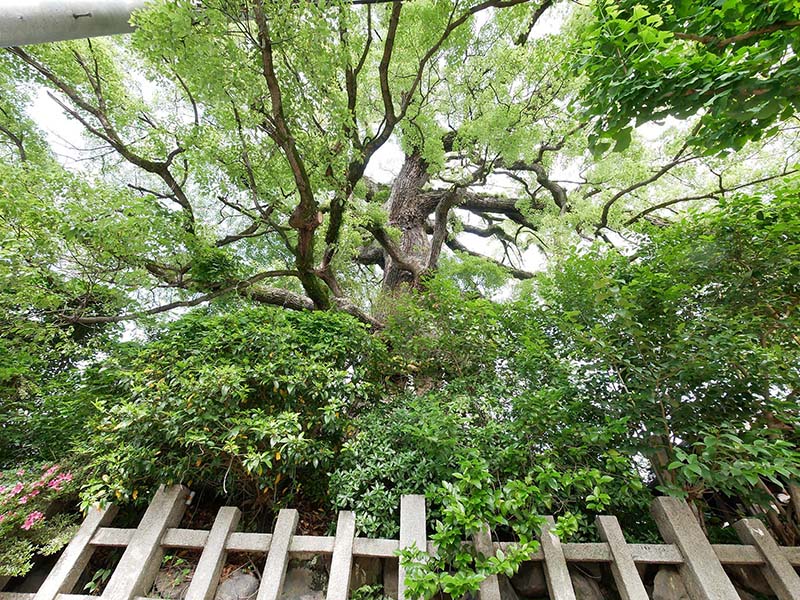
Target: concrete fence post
point(412, 532)
point(142, 558)
point(780, 574)
point(701, 570)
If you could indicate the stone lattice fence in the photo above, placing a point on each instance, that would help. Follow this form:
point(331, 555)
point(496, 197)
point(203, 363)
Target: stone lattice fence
point(699, 563)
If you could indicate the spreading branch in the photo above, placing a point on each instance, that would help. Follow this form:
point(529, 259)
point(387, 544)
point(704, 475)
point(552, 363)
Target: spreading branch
point(493, 230)
point(716, 42)
point(282, 297)
point(106, 131)
point(382, 237)
point(558, 193)
point(677, 159)
point(440, 226)
point(706, 196)
point(457, 246)
point(16, 140)
point(486, 203)
point(306, 217)
point(522, 39)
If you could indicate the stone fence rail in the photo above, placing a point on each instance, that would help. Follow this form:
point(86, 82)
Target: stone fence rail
point(699, 562)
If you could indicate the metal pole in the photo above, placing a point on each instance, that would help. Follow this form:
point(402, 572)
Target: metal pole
point(37, 21)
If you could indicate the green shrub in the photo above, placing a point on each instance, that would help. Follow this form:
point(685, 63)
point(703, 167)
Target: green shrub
point(471, 504)
point(410, 446)
point(253, 402)
point(484, 380)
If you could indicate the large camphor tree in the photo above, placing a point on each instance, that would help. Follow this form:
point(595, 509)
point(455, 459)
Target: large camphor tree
point(228, 143)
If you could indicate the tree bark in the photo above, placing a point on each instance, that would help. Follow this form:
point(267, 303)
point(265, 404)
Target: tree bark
point(408, 210)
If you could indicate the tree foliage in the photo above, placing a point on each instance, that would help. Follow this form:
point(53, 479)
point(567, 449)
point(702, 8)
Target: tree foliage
point(693, 340)
point(732, 62)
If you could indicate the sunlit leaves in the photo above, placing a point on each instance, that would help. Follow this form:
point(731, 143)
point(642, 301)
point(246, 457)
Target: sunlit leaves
point(732, 63)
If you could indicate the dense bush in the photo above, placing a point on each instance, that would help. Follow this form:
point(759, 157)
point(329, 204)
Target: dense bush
point(692, 341)
point(472, 504)
point(40, 414)
point(253, 402)
point(486, 385)
point(410, 445)
point(657, 353)
point(612, 379)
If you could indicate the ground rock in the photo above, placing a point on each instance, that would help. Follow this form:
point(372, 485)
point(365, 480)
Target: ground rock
point(303, 582)
point(668, 585)
point(591, 570)
point(749, 579)
point(585, 587)
point(239, 586)
point(507, 591)
point(172, 584)
point(529, 581)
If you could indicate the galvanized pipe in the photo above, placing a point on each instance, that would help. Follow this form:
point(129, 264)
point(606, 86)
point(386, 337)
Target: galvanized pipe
point(36, 21)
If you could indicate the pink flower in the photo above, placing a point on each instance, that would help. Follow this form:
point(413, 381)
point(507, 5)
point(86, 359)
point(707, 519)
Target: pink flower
point(16, 489)
point(57, 482)
point(2, 489)
point(27, 497)
point(50, 471)
point(32, 519)
point(3, 517)
point(21, 472)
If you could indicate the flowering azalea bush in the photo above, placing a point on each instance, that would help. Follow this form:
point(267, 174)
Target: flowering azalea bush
point(30, 523)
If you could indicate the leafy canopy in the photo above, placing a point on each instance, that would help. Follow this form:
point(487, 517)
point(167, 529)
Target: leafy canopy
point(732, 62)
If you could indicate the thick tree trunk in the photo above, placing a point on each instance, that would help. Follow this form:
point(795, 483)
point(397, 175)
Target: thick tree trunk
point(794, 496)
point(408, 211)
point(659, 459)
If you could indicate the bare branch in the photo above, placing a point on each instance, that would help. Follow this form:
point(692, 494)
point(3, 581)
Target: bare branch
point(537, 14)
point(306, 217)
point(558, 193)
point(249, 232)
point(345, 305)
point(383, 67)
point(106, 131)
point(486, 203)
point(720, 43)
point(17, 141)
point(709, 195)
point(440, 226)
point(239, 287)
point(676, 160)
point(380, 235)
point(493, 230)
point(280, 297)
point(188, 94)
point(457, 246)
